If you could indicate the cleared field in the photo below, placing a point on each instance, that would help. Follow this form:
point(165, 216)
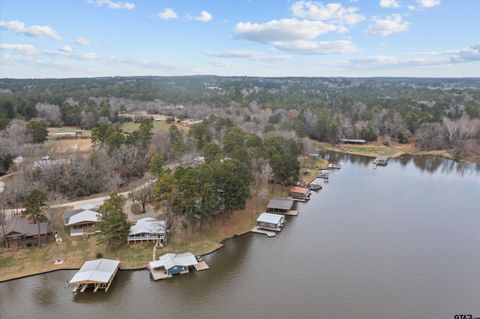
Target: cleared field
point(158, 126)
point(74, 144)
point(64, 129)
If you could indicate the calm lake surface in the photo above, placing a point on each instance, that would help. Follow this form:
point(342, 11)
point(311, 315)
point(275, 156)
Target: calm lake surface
point(401, 241)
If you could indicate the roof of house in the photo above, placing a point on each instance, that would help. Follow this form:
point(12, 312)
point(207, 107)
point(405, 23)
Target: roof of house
point(270, 218)
point(83, 216)
point(148, 225)
point(85, 207)
point(280, 203)
point(23, 227)
point(301, 190)
point(352, 140)
point(99, 270)
point(171, 260)
point(381, 158)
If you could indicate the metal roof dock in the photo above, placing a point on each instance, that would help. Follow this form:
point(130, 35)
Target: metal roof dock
point(98, 273)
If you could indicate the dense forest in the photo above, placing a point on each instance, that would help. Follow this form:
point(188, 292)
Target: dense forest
point(440, 113)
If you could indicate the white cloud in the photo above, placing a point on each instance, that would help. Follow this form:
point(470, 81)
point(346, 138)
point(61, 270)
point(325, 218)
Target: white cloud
point(89, 56)
point(283, 30)
point(253, 55)
point(113, 4)
point(21, 48)
point(295, 35)
point(66, 49)
point(318, 47)
point(389, 4)
point(411, 7)
point(221, 64)
point(204, 16)
point(387, 26)
point(167, 14)
point(415, 59)
point(83, 42)
point(428, 3)
point(331, 12)
point(39, 31)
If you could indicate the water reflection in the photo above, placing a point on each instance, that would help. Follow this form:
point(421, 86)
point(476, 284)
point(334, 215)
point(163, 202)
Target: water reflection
point(385, 250)
point(428, 164)
point(44, 293)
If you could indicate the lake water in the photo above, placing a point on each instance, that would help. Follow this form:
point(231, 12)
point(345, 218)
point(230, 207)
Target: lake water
point(396, 242)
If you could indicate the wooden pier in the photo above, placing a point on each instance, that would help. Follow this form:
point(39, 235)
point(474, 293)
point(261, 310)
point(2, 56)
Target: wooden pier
point(202, 265)
point(291, 212)
point(263, 232)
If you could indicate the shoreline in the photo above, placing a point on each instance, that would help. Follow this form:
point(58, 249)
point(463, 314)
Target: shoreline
point(211, 245)
point(373, 150)
point(128, 268)
point(203, 244)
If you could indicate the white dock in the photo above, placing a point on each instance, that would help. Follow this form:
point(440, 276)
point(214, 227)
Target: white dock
point(268, 233)
point(202, 265)
point(291, 212)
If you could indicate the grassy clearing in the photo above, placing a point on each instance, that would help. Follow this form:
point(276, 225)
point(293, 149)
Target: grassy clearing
point(311, 168)
point(158, 126)
point(371, 149)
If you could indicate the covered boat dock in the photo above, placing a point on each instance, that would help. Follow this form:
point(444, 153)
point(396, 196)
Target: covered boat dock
point(282, 205)
point(272, 222)
point(97, 273)
point(169, 265)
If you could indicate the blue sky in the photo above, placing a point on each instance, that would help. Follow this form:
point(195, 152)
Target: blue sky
point(257, 38)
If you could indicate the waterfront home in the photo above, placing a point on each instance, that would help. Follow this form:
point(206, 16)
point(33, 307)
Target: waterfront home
point(83, 221)
point(299, 193)
point(352, 141)
point(148, 229)
point(314, 155)
point(381, 160)
point(20, 233)
point(97, 273)
point(169, 265)
point(280, 205)
point(270, 221)
point(47, 161)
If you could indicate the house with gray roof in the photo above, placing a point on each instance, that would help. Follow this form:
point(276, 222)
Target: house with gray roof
point(21, 233)
point(148, 229)
point(83, 221)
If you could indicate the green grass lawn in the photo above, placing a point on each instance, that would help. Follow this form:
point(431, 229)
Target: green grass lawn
point(371, 150)
point(158, 126)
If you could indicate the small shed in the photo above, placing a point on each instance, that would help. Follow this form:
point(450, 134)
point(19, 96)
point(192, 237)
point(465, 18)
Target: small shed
point(270, 221)
point(280, 205)
point(300, 193)
point(82, 221)
point(98, 273)
point(148, 229)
